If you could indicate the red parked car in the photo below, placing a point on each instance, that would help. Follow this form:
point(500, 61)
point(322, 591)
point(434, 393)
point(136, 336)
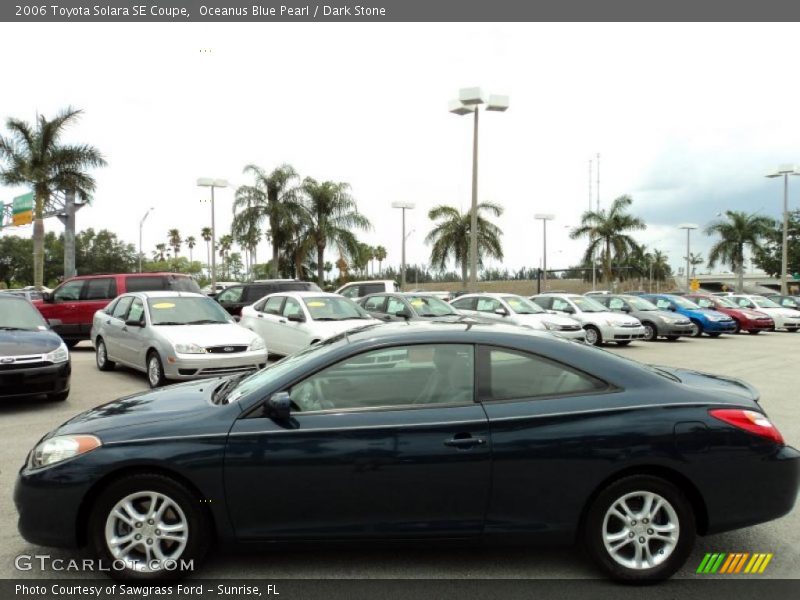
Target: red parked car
point(70, 308)
point(751, 321)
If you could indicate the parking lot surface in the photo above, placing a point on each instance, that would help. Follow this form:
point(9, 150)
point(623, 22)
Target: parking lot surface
point(768, 361)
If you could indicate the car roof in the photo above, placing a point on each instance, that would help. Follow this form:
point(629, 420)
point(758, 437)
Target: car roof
point(403, 329)
point(561, 294)
point(97, 275)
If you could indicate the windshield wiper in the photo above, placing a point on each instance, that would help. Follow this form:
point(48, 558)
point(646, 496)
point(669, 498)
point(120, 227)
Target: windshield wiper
point(222, 390)
point(169, 323)
point(204, 322)
point(326, 319)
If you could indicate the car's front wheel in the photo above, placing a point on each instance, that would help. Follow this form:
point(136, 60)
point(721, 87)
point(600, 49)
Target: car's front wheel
point(697, 329)
point(593, 336)
point(640, 528)
point(650, 332)
point(147, 526)
point(155, 370)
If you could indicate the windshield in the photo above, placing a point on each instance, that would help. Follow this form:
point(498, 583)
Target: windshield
point(523, 306)
point(430, 306)
point(334, 308)
point(191, 310)
point(724, 302)
point(765, 303)
point(588, 305)
point(684, 303)
point(641, 303)
point(266, 376)
point(20, 314)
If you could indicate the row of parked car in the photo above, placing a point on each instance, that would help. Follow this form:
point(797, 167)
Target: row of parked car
point(161, 324)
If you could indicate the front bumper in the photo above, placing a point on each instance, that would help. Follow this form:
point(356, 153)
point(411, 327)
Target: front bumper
point(23, 382)
point(758, 325)
point(673, 329)
point(198, 366)
point(613, 333)
point(579, 334)
point(788, 323)
point(719, 326)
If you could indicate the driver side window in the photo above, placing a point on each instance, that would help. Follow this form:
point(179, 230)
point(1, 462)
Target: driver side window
point(232, 294)
point(68, 292)
point(560, 305)
point(661, 303)
point(488, 305)
point(398, 377)
point(616, 304)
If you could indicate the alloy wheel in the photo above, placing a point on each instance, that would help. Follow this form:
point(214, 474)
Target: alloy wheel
point(649, 332)
point(154, 371)
point(591, 336)
point(640, 530)
point(101, 354)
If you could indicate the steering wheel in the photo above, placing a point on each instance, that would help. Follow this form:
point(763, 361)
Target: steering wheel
point(309, 396)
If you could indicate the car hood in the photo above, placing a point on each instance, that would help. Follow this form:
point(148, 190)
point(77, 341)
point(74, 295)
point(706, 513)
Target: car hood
point(714, 384)
point(21, 343)
point(207, 335)
point(326, 329)
point(748, 312)
point(164, 405)
point(556, 319)
point(603, 318)
point(786, 313)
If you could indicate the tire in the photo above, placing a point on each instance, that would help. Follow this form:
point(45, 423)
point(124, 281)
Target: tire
point(155, 370)
point(754, 331)
point(738, 328)
point(791, 329)
point(593, 336)
point(697, 329)
point(624, 343)
point(650, 332)
point(189, 527)
point(101, 356)
point(714, 334)
point(71, 343)
point(672, 338)
point(58, 397)
point(668, 551)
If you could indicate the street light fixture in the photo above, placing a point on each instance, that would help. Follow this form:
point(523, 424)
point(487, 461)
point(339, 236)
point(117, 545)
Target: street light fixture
point(213, 183)
point(141, 224)
point(404, 206)
point(688, 227)
point(469, 101)
point(784, 171)
point(544, 218)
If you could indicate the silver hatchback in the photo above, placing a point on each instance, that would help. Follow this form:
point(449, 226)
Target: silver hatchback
point(173, 335)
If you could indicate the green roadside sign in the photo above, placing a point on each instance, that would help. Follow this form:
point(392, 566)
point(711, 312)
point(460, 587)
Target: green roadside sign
point(22, 209)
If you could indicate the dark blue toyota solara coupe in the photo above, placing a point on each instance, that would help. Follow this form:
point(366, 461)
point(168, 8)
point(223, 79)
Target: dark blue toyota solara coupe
point(415, 431)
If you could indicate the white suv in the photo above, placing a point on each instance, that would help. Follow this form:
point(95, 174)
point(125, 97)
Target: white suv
point(358, 289)
point(601, 325)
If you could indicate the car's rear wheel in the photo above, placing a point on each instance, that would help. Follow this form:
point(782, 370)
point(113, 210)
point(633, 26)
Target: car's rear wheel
point(155, 370)
point(101, 356)
point(697, 329)
point(147, 526)
point(640, 528)
point(593, 336)
point(738, 328)
point(650, 332)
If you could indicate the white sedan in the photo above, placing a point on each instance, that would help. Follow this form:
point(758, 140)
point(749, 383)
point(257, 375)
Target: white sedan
point(785, 318)
point(291, 321)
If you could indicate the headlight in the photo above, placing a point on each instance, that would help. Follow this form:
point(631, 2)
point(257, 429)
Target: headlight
point(189, 349)
point(59, 355)
point(257, 344)
point(551, 326)
point(60, 448)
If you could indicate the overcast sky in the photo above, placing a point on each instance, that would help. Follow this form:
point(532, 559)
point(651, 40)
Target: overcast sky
point(687, 119)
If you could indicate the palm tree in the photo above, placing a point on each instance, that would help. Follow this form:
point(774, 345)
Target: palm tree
point(450, 236)
point(274, 198)
point(191, 243)
point(33, 155)
point(342, 265)
point(607, 231)
point(328, 268)
point(695, 259)
point(380, 255)
point(332, 216)
point(175, 241)
point(205, 233)
point(740, 229)
point(659, 263)
point(225, 244)
point(160, 248)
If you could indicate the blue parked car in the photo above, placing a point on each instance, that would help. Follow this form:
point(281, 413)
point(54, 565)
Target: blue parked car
point(703, 320)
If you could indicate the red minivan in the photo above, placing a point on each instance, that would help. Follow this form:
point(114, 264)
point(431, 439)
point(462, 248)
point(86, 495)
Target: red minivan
point(70, 308)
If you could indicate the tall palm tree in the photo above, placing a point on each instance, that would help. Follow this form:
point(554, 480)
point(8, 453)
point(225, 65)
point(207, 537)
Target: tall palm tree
point(205, 233)
point(191, 243)
point(33, 155)
point(450, 236)
point(225, 244)
point(737, 230)
point(274, 198)
point(159, 253)
point(607, 231)
point(175, 241)
point(695, 259)
point(380, 256)
point(246, 230)
point(332, 216)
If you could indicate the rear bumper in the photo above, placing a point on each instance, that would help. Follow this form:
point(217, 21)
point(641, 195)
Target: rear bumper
point(21, 383)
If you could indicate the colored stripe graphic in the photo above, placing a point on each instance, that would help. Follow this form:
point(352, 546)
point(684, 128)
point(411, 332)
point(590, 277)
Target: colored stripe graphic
point(735, 562)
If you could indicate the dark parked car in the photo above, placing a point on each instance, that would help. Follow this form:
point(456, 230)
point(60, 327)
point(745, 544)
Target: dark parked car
point(236, 297)
point(70, 308)
point(416, 431)
point(34, 361)
point(657, 323)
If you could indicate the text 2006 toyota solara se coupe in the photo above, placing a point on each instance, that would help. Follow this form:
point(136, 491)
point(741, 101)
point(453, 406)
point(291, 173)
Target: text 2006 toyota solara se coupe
point(415, 431)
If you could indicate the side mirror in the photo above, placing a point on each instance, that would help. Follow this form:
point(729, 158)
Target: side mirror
point(47, 297)
point(403, 314)
point(626, 309)
point(672, 307)
point(296, 318)
point(569, 310)
point(279, 406)
point(501, 311)
point(139, 323)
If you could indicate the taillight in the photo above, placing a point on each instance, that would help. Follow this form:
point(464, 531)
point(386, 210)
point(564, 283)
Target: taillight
point(749, 420)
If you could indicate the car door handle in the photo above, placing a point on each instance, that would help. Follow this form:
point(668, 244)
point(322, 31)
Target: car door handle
point(464, 441)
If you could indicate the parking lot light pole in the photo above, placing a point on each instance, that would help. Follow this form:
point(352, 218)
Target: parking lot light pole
point(469, 101)
point(141, 224)
point(544, 218)
point(688, 227)
point(785, 171)
point(403, 206)
point(213, 183)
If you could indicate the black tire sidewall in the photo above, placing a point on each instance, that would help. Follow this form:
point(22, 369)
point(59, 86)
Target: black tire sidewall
point(161, 379)
point(599, 339)
point(594, 525)
point(198, 538)
point(654, 332)
point(107, 365)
